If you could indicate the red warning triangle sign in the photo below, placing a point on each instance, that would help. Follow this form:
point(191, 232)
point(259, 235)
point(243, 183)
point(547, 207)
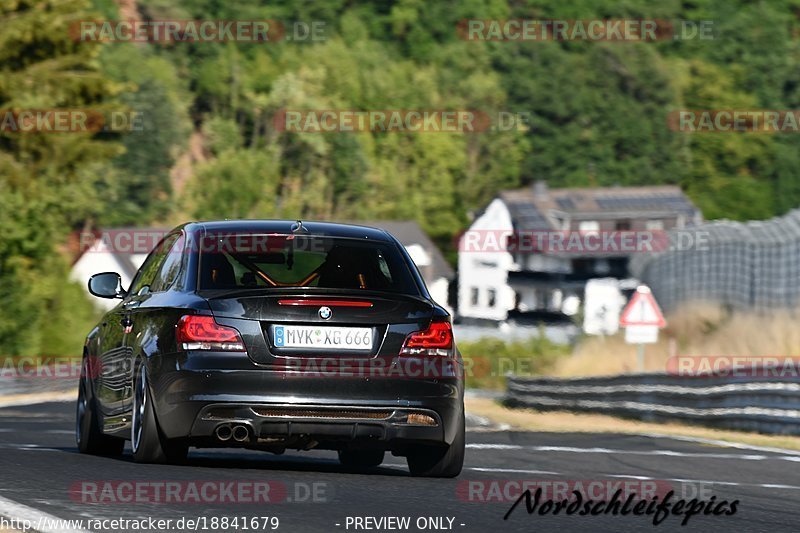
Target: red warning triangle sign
point(642, 310)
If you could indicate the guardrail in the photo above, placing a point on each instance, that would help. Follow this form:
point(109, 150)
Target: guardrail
point(753, 403)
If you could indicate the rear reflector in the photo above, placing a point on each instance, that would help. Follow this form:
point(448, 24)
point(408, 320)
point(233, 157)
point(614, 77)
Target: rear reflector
point(201, 332)
point(418, 419)
point(436, 340)
point(329, 303)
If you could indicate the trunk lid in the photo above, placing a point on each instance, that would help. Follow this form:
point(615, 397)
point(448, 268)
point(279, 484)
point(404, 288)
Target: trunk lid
point(269, 320)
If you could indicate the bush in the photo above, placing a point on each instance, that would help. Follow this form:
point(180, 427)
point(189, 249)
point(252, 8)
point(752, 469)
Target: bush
point(488, 360)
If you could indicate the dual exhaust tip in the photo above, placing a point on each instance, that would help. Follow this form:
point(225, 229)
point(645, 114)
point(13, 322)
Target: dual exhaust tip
point(237, 432)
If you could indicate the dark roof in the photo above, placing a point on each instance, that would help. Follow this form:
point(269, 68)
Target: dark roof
point(330, 229)
point(409, 232)
point(537, 211)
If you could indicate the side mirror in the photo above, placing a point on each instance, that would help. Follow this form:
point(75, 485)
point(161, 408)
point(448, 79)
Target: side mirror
point(106, 285)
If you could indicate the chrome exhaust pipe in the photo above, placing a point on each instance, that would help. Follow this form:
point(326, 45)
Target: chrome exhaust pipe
point(241, 433)
point(223, 432)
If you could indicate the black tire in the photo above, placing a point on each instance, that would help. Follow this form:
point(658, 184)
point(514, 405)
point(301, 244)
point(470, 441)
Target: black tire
point(438, 461)
point(88, 435)
point(361, 458)
point(147, 442)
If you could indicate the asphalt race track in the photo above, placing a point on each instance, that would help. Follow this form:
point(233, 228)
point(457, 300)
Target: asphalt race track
point(39, 465)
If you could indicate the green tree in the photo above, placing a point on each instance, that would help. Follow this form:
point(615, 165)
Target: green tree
point(42, 189)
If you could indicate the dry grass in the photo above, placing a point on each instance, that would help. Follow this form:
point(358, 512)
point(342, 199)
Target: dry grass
point(697, 329)
point(597, 356)
point(12, 400)
point(563, 422)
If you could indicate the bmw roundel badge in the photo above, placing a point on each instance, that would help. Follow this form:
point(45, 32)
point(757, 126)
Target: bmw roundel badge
point(325, 313)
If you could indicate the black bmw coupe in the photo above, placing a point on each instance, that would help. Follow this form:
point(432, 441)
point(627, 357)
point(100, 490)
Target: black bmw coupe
point(274, 335)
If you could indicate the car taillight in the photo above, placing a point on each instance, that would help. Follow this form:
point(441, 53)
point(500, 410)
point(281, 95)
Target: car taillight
point(201, 332)
point(436, 340)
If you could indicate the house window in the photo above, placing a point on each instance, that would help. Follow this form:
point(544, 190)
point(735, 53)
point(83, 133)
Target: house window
point(474, 294)
point(654, 225)
point(492, 297)
point(589, 226)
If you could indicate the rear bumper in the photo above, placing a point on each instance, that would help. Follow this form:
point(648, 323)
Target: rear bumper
point(335, 412)
point(333, 426)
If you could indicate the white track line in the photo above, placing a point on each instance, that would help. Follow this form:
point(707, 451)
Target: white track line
point(515, 471)
point(644, 478)
point(38, 520)
point(670, 453)
point(709, 482)
point(723, 443)
point(677, 480)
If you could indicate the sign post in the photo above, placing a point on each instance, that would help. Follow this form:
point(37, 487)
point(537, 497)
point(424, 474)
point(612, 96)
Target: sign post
point(642, 318)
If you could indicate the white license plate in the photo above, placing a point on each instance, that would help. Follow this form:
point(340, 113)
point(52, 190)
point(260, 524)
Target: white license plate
point(322, 337)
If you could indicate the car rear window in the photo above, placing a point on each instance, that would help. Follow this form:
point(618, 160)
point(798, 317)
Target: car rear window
point(301, 261)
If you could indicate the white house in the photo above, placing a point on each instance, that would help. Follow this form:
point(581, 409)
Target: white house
point(100, 257)
point(499, 282)
point(483, 290)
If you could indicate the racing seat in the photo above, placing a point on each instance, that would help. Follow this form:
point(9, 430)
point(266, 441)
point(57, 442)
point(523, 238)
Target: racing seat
point(217, 272)
point(351, 267)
